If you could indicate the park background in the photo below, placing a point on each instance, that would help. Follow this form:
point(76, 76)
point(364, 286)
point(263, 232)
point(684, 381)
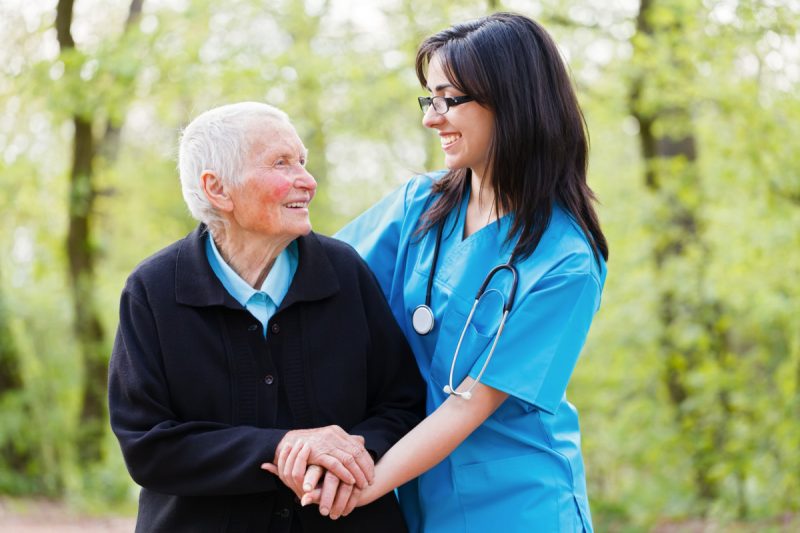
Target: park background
point(689, 385)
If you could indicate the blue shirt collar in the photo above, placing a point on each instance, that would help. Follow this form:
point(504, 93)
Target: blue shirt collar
point(275, 285)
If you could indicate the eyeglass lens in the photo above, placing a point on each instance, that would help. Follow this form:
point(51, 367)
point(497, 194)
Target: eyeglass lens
point(439, 103)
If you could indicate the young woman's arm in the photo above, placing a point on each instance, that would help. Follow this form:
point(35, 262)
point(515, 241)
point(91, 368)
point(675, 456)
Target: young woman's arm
point(433, 439)
point(418, 451)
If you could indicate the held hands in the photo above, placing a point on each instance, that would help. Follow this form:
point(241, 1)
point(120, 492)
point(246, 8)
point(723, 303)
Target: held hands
point(303, 456)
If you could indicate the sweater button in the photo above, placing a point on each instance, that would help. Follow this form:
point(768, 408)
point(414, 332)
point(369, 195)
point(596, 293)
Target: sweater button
point(252, 327)
point(283, 513)
point(268, 379)
point(275, 328)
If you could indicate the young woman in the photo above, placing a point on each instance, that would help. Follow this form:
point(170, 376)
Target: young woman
point(500, 448)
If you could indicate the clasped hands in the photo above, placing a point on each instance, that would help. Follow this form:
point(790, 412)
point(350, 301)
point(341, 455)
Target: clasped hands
point(324, 465)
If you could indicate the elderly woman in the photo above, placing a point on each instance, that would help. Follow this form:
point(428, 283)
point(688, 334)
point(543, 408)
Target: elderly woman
point(252, 335)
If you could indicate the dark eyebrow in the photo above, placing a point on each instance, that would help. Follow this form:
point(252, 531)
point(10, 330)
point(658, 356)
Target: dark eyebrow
point(441, 87)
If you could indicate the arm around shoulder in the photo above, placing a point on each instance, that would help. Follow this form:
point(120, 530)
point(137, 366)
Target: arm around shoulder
point(395, 387)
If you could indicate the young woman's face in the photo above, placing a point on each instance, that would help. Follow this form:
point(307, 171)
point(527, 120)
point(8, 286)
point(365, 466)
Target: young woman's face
point(465, 131)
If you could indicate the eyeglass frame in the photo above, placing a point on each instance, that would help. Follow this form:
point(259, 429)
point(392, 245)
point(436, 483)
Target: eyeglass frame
point(426, 102)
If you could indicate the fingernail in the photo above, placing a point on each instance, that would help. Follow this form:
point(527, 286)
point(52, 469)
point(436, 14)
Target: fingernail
point(324, 511)
point(307, 487)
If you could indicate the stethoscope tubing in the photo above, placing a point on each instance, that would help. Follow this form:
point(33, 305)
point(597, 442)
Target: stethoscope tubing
point(435, 262)
point(423, 319)
point(467, 394)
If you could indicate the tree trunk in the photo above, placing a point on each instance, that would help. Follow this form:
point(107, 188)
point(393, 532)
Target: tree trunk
point(680, 254)
point(12, 456)
point(88, 329)
point(82, 258)
point(10, 374)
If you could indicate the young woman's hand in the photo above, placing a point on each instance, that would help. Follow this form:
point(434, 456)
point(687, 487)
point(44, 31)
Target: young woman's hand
point(312, 484)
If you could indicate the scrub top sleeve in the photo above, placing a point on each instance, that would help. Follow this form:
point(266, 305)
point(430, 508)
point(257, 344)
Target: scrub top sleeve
point(376, 234)
point(543, 337)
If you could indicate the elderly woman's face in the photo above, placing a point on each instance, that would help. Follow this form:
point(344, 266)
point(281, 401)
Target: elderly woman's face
point(276, 190)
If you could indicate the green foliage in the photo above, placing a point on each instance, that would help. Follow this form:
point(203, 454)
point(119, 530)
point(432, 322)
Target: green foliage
point(735, 344)
point(728, 71)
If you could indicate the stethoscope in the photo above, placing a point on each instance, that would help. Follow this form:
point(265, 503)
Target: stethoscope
point(423, 322)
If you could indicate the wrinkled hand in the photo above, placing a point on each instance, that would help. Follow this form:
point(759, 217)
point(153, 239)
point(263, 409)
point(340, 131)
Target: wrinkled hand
point(331, 448)
point(295, 457)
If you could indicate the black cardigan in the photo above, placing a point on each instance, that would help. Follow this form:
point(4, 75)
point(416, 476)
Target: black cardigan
point(194, 387)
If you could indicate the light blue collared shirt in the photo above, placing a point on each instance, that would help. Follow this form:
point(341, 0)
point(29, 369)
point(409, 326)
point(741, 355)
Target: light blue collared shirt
point(262, 303)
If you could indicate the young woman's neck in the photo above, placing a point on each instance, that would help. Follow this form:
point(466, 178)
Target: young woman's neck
point(481, 207)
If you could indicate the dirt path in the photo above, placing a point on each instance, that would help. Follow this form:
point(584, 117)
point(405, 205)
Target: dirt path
point(43, 516)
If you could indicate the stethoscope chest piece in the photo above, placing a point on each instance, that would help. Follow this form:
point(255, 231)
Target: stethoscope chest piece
point(422, 319)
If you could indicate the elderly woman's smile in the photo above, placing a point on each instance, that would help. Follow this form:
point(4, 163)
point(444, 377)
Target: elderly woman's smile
point(276, 189)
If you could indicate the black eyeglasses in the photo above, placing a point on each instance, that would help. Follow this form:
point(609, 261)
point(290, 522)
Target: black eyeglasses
point(442, 104)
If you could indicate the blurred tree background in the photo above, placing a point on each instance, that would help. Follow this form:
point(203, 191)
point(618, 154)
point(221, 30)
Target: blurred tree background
point(689, 387)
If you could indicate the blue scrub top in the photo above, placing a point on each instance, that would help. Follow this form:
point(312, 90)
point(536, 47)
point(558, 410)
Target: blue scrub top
point(522, 469)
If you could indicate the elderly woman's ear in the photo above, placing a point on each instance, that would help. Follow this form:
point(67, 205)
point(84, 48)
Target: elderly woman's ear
point(216, 191)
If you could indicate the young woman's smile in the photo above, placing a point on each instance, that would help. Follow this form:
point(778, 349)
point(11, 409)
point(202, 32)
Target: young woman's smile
point(465, 130)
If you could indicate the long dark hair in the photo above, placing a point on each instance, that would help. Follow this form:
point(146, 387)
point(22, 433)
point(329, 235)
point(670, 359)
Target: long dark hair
point(539, 151)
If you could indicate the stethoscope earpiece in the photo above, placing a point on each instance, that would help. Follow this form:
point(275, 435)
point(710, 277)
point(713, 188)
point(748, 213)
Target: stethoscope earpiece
point(466, 394)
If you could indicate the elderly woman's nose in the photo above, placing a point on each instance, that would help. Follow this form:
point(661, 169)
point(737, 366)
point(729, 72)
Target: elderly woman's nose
point(304, 180)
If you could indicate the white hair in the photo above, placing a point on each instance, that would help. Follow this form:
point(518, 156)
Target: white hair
point(218, 141)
